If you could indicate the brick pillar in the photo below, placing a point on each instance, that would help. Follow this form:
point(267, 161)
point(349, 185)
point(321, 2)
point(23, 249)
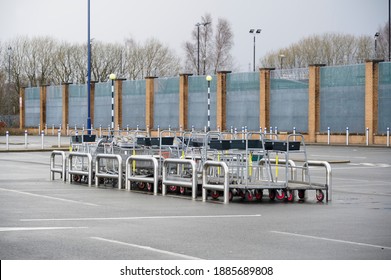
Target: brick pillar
point(22, 108)
point(264, 97)
point(149, 101)
point(221, 100)
point(371, 97)
point(42, 106)
point(183, 99)
point(118, 103)
point(314, 101)
point(65, 107)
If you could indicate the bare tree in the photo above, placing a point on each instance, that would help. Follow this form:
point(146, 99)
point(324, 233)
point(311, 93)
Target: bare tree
point(215, 46)
point(329, 48)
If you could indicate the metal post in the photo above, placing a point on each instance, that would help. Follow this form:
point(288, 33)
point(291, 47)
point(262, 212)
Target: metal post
point(112, 78)
point(52, 129)
point(328, 135)
point(347, 136)
point(367, 136)
point(25, 139)
point(67, 129)
point(100, 131)
point(294, 132)
point(275, 130)
point(89, 71)
point(209, 78)
point(42, 138)
point(388, 136)
point(39, 129)
point(59, 138)
point(7, 134)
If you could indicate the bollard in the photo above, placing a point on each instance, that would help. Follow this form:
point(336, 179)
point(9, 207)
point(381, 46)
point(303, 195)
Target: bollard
point(42, 138)
point(46, 128)
point(275, 130)
point(347, 136)
point(59, 138)
point(367, 136)
point(39, 129)
point(271, 129)
point(158, 129)
point(294, 132)
point(53, 129)
point(67, 129)
point(100, 131)
point(127, 128)
point(328, 135)
point(388, 136)
point(7, 134)
point(242, 132)
point(25, 139)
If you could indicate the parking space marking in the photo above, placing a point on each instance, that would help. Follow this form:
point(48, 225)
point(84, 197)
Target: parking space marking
point(141, 218)
point(331, 239)
point(49, 197)
point(2, 229)
point(176, 255)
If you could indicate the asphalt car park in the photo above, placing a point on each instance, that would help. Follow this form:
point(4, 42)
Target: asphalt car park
point(43, 219)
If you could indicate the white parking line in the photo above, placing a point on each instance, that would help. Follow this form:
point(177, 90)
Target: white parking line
point(176, 255)
point(2, 229)
point(332, 240)
point(49, 197)
point(142, 218)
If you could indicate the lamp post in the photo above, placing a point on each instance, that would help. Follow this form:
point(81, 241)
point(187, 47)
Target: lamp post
point(376, 36)
point(198, 43)
point(282, 56)
point(255, 32)
point(112, 77)
point(209, 78)
point(9, 64)
point(88, 73)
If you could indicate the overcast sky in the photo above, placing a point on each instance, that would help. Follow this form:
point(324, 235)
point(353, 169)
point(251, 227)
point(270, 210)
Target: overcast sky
point(283, 22)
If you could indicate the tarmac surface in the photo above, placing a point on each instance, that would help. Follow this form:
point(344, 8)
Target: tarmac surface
point(43, 219)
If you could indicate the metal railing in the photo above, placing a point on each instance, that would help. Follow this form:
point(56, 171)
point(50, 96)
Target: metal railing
point(217, 187)
point(76, 166)
point(105, 173)
point(131, 175)
point(58, 169)
point(178, 179)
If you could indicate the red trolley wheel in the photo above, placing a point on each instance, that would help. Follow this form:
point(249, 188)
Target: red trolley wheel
point(319, 195)
point(215, 194)
point(280, 194)
point(272, 194)
point(258, 194)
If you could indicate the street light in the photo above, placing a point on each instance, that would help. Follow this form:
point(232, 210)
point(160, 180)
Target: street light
point(88, 72)
point(209, 78)
point(282, 56)
point(376, 36)
point(9, 64)
point(112, 77)
point(255, 32)
point(198, 43)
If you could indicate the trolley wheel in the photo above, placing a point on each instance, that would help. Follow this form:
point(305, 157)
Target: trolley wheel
point(290, 196)
point(280, 194)
point(141, 185)
point(319, 195)
point(182, 190)
point(272, 194)
point(301, 194)
point(150, 187)
point(249, 195)
point(215, 194)
point(76, 178)
point(242, 193)
point(231, 195)
point(258, 194)
point(173, 188)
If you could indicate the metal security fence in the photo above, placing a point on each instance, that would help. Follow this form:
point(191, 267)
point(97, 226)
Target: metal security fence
point(54, 105)
point(198, 102)
point(32, 107)
point(289, 99)
point(243, 100)
point(166, 110)
point(342, 98)
point(102, 107)
point(133, 103)
point(78, 105)
point(384, 97)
